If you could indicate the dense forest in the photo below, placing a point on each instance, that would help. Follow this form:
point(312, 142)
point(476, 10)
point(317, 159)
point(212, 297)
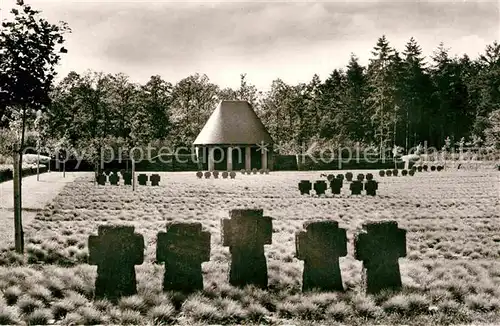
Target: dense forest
point(399, 98)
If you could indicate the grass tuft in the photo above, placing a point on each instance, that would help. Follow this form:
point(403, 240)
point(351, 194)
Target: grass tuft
point(164, 313)
point(39, 317)
point(12, 294)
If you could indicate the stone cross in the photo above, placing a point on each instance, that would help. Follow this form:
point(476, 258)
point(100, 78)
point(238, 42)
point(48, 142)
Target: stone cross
point(330, 177)
point(395, 172)
point(433, 168)
point(381, 173)
point(411, 172)
point(404, 172)
point(114, 178)
point(207, 175)
point(356, 187)
point(155, 179)
point(199, 174)
point(336, 186)
point(371, 187)
point(388, 173)
point(143, 179)
point(340, 176)
point(232, 174)
point(127, 178)
point(246, 233)
point(360, 177)
point(305, 187)
point(380, 247)
point(216, 174)
point(320, 187)
point(101, 179)
point(225, 174)
point(348, 176)
point(183, 248)
point(320, 247)
point(254, 170)
point(115, 250)
point(425, 167)
point(419, 168)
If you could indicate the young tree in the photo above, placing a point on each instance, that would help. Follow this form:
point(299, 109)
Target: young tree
point(29, 51)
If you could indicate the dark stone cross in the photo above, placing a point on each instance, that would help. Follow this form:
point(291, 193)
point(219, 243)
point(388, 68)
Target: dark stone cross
point(395, 172)
point(143, 179)
point(246, 233)
point(336, 186)
point(225, 174)
point(371, 187)
point(127, 178)
point(254, 170)
point(115, 251)
point(155, 179)
point(404, 173)
point(330, 177)
point(411, 172)
point(216, 174)
point(320, 187)
point(207, 175)
point(183, 248)
point(199, 174)
point(232, 174)
point(419, 169)
point(425, 167)
point(379, 249)
point(348, 176)
point(114, 178)
point(101, 179)
point(305, 187)
point(320, 247)
point(433, 168)
point(356, 187)
point(360, 177)
point(381, 173)
point(340, 176)
point(439, 168)
point(388, 173)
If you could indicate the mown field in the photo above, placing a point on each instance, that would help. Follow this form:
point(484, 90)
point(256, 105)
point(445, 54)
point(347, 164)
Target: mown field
point(451, 273)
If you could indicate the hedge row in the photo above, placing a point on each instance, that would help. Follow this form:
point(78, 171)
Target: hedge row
point(8, 174)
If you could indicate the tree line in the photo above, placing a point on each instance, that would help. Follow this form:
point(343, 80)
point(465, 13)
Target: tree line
point(398, 99)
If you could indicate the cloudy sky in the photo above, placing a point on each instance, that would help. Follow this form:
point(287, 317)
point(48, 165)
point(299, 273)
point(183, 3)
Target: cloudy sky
point(290, 40)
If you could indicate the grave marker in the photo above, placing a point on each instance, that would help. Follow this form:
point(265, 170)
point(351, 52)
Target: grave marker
point(320, 187)
point(360, 177)
point(114, 178)
point(199, 174)
point(369, 176)
point(225, 175)
point(356, 187)
point(127, 178)
point(380, 247)
point(183, 248)
point(340, 176)
point(101, 179)
point(411, 172)
point(371, 187)
point(419, 168)
point(433, 168)
point(330, 177)
point(207, 175)
point(336, 186)
point(155, 179)
point(388, 173)
point(349, 176)
point(305, 187)
point(115, 250)
point(440, 168)
point(395, 172)
point(232, 174)
point(404, 173)
point(425, 168)
point(142, 179)
point(381, 173)
point(261, 171)
point(246, 233)
point(215, 174)
point(320, 247)
point(254, 171)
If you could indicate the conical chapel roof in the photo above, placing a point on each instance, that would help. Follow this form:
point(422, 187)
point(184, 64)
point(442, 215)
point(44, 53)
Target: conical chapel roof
point(233, 123)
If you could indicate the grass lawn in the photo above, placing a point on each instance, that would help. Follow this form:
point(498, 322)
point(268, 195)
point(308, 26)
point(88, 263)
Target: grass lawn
point(451, 273)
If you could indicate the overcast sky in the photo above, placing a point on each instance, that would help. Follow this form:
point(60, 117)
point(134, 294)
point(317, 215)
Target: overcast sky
point(267, 40)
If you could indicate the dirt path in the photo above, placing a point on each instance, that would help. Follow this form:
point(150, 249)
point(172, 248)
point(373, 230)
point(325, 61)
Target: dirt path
point(36, 194)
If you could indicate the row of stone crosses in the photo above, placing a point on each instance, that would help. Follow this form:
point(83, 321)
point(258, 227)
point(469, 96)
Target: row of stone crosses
point(113, 177)
point(185, 246)
point(336, 184)
point(232, 174)
point(411, 172)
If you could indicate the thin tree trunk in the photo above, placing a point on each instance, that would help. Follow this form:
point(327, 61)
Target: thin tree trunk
point(18, 175)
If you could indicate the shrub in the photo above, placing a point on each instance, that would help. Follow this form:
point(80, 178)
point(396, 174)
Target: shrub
point(39, 317)
point(133, 302)
point(28, 304)
point(62, 308)
point(8, 315)
point(164, 313)
point(11, 294)
point(90, 315)
point(339, 311)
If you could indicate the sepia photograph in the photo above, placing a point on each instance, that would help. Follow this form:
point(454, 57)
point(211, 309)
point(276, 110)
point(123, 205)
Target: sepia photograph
point(250, 162)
